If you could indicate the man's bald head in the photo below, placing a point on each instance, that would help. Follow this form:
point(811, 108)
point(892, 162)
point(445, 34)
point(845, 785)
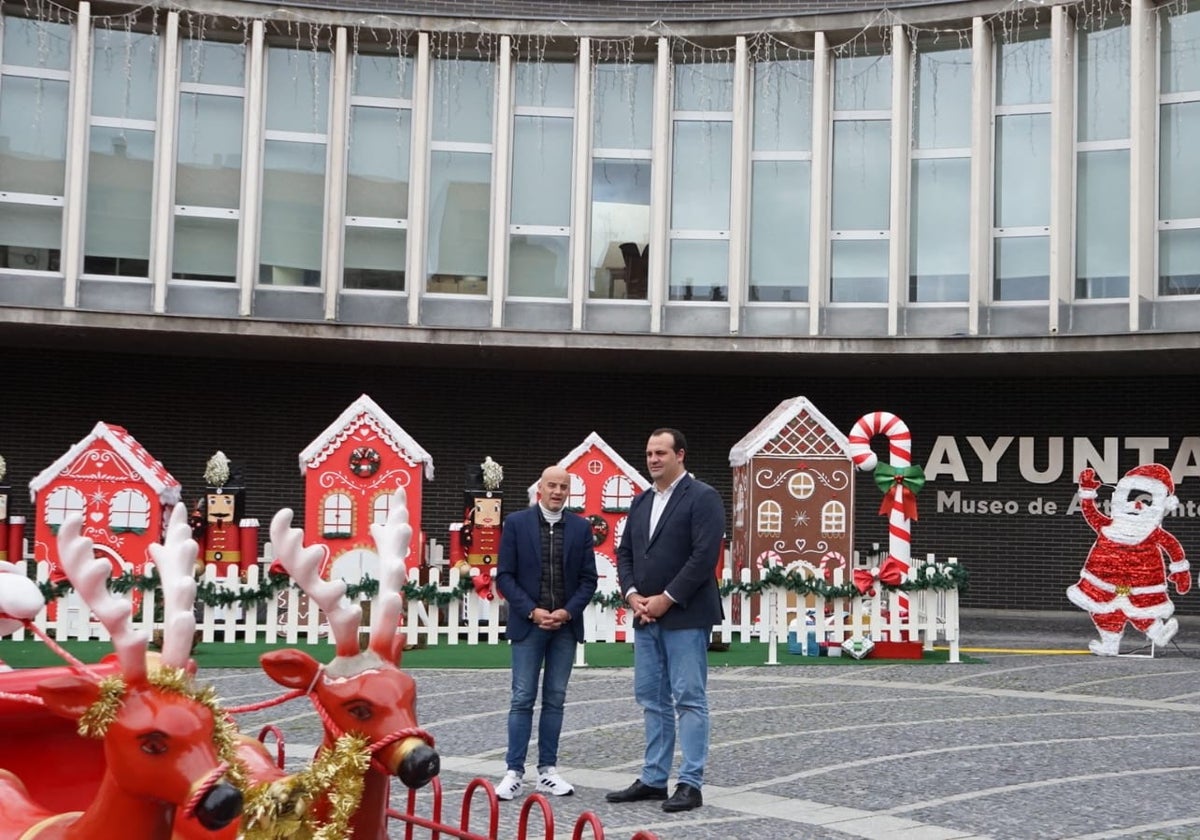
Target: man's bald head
point(554, 487)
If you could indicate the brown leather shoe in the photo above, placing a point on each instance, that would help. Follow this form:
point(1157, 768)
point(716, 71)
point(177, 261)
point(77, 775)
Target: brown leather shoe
point(685, 798)
point(638, 792)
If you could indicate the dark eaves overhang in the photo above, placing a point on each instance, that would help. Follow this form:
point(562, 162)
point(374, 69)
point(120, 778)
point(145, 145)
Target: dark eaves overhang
point(76, 331)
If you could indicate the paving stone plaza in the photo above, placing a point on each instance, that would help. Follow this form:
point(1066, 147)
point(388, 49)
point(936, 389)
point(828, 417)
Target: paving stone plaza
point(1032, 738)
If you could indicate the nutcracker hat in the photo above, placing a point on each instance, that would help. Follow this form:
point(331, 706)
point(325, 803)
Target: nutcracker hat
point(1154, 478)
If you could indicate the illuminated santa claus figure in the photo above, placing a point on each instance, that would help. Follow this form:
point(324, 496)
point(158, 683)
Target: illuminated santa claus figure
point(1124, 580)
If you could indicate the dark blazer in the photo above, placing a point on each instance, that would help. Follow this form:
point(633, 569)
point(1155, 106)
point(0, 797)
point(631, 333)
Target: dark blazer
point(519, 569)
point(682, 555)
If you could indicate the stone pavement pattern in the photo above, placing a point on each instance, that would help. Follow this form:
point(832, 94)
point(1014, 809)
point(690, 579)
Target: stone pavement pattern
point(1020, 746)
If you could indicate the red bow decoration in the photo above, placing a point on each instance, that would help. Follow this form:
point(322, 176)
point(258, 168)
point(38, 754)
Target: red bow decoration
point(910, 480)
point(891, 572)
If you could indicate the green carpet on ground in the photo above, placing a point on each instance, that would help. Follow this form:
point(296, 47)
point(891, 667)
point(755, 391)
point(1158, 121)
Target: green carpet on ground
point(32, 653)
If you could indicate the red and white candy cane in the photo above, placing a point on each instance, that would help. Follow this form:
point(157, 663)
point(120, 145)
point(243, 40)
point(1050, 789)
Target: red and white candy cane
point(899, 456)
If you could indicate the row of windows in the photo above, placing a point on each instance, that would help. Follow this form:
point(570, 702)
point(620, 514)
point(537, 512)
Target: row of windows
point(255, 164)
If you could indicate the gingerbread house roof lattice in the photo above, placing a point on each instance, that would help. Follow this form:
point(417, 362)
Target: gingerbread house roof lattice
point(365, 411)
point(794, 427)
point(140, 463)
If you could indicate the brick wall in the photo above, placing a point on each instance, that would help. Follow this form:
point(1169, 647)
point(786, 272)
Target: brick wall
point(262, 414)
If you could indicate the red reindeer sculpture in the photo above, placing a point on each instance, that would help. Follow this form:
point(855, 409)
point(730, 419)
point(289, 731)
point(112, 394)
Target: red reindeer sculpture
point(167, 747)
point(361, 692)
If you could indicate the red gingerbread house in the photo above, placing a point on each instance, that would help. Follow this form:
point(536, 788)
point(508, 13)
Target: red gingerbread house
point(603, 485)
point(123, 493)
point(793, 492)
point(350, 472)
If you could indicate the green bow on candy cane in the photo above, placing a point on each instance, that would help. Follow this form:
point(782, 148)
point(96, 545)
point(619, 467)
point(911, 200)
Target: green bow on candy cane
point(909, 479)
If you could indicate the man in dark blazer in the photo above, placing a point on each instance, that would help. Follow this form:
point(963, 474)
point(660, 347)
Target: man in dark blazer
point(666, 568)
point(547, 572)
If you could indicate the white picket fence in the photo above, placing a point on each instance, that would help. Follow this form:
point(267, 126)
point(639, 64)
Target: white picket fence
point(931, 616)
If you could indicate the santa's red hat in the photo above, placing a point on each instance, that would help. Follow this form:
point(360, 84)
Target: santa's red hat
point(1157, 474)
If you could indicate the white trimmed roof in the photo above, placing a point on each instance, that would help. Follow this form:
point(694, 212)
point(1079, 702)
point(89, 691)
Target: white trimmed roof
point(365, 410)
point(588, 442)
point(770, 426)
point(128, 449)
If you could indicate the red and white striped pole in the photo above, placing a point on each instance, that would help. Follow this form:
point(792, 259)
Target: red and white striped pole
point(899, 456)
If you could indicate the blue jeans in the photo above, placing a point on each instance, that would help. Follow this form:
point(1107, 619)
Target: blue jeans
point(550, 654)
point(670, 678)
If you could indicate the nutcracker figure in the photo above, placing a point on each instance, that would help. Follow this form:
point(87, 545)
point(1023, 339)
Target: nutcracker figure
point(482, 518)
point(217, 518)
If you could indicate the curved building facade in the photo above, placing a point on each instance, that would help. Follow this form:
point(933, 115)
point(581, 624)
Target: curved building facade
point(708, 207)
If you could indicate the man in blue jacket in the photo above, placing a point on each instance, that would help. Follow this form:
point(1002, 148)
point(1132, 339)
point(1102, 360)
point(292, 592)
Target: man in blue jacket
point(547, 572)
point(666, 568)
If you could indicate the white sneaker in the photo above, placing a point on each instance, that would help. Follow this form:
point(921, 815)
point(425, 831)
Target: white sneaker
point(550, 782)
point(509, 786)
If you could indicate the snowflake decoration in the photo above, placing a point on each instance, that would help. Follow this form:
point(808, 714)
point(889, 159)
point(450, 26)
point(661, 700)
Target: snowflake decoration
point(98, 497)
point(493, 474)
point(800, 519)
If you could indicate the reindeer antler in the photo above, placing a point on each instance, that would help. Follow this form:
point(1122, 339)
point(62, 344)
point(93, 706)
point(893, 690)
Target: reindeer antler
point(391, 539)
point(175, 559)
point(303, 563)
point(88, 574)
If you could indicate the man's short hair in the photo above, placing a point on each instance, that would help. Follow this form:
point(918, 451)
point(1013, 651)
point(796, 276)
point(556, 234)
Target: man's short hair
point(680, 442)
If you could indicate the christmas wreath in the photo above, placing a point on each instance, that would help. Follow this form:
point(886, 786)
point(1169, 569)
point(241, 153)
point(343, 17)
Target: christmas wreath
point(364, 462)
point(599, 529)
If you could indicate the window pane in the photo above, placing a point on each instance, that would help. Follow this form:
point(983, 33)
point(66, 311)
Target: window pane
point(1022, 170)
point(33, 135)
point(620, 228)
point(548, 84)
point(1180, 50)
point(30, 237)
point(1022, 268)
point(124, 74)
point(862, 83)
point(463, 94)
point(1179, 165)
point(374, 258)
point(541, 173)
point(779, 228)
point(32, 43)
point(783, 105)
point(120, 175)
point(537, 266)
point(942, 103)
point(1179, 262)
point(1023, 68)
point(939, 259)
point(459, 215)
point(209, 173)
point(205, 249)
point(1102, 238)
point(699, 269)
point(624, 106)
point(297, 90)
point(1104, 84)
point(212, 62)
point(704, 87)
point(378, 164)
point(861, 174)
point(293, 206)
point(859, 271)
point(387, 76)
point(700, 175)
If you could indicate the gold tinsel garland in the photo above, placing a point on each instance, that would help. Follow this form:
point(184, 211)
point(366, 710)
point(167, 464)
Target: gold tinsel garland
point(284, 808)
point(94, 722)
